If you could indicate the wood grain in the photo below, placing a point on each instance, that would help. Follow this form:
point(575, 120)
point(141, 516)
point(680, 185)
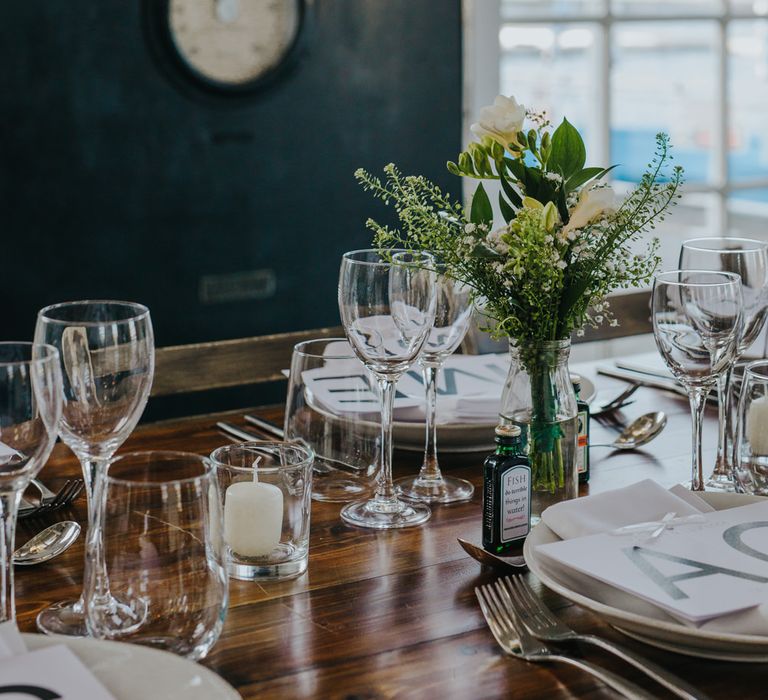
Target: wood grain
point(393, 614)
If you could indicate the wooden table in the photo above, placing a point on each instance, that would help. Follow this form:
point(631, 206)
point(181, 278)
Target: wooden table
point(393, 614)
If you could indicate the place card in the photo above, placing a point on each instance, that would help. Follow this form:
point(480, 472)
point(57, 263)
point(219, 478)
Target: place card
point(699, 567)
point(49, 673)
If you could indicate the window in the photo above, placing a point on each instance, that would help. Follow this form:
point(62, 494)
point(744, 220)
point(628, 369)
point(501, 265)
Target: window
point(622, 70)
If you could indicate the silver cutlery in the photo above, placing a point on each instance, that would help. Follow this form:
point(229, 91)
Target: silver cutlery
point(52, 501)
point(478, 553)
point(617, 402)
point(639, 432)
point(265, 425)
point(542, 624)
point(513, 638)
point(47, 544)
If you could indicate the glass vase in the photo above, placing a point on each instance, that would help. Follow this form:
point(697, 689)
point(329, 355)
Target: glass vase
point(538, 397)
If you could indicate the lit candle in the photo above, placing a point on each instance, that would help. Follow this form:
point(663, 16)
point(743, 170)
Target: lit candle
point(757, 426)
point(253, 517)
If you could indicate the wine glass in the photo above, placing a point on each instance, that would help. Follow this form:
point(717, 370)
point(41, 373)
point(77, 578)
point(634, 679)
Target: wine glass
point(750, 455)
point(697, 318)
point(107, 356)
point(453, 314)
point(387, 308)
point(748, 259)
point(30, 408)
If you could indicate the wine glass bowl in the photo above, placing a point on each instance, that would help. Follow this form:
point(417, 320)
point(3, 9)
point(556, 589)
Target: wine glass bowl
point(387, 308)
point(697, 317)
point(107, 356)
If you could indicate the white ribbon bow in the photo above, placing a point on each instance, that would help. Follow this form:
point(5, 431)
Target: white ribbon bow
point(657, 527)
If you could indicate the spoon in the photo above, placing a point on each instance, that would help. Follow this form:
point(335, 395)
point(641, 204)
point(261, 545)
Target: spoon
point(47, 544)
point(639, 432)
point(512, 563)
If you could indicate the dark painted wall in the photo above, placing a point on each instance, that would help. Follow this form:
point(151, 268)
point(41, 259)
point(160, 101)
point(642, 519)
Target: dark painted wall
point(115, 184)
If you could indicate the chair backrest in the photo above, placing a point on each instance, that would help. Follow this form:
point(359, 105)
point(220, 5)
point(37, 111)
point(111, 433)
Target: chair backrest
point(182, 369)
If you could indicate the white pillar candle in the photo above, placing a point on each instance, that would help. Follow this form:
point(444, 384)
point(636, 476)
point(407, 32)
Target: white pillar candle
point(253, 518)
point(757, 426)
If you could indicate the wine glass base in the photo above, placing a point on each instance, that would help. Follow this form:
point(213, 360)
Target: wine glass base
point(340, 489)
point(371, 514)
point(721, 483)
point(65, 618)
point(446, 489)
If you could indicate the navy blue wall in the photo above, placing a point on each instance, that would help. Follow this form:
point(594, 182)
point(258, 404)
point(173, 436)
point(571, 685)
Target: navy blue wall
point(115, 184)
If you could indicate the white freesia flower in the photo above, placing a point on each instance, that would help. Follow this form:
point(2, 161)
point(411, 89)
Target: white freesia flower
point(594, 201)
point(501, 121)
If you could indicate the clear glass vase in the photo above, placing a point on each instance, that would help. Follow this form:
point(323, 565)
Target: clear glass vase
point(538, 396)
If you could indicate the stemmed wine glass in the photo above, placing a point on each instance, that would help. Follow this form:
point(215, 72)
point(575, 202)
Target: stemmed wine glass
point(107, 357)
point(748, 259)
point(30, 408)
point(387, 307)
point(453, 313)
point(697, 318)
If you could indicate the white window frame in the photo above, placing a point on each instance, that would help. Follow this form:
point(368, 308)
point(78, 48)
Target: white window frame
point(482, 54)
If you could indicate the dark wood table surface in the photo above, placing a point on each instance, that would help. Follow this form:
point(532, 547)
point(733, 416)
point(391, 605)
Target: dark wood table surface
point(393, 614)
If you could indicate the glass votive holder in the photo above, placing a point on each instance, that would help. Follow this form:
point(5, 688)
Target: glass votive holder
point(266, 489)
point(750, 457)
point(332, 406)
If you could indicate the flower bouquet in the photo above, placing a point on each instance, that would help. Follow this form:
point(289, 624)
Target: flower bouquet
point(566, 242)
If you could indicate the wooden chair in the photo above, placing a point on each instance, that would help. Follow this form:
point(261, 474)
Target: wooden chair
point(222, 364)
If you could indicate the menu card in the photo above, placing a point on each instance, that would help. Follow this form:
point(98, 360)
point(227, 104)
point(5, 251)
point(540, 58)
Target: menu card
point(469, 389)
point(697, 569)
point(51, 673)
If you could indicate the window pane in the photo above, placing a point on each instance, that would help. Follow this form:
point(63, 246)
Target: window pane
point(743, 8)
point(747, 212)
point(654, 8)
point(662, 81)
point(519, 9)
point(748, 99)
point(552, 68)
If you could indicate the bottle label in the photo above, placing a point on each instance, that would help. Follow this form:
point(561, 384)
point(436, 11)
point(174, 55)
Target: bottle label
point(583, 443)
point(516, 503)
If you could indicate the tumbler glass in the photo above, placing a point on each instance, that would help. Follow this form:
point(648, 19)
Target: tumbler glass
point(266, 490)
point(332, 405)
point(750, 455)
point(155, 559)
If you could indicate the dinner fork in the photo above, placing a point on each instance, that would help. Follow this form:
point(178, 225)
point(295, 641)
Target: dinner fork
point(50, 501)
point(542, 624)
point(515, 641)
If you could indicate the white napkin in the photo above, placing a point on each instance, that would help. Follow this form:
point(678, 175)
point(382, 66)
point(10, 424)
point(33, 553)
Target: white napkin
point(644, 501)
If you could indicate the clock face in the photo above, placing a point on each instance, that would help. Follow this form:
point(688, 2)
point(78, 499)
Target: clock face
point(233, 43)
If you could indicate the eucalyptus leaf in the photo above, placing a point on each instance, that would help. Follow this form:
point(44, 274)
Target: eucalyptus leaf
point(568, 153)
point(481, 211)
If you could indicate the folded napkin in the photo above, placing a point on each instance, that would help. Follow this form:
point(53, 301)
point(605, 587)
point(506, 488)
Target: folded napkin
point(645, 501)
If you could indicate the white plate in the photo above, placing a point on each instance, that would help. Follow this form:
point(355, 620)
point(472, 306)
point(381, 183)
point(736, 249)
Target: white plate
point(461, 437)
point(644, 621)
point(133, 672)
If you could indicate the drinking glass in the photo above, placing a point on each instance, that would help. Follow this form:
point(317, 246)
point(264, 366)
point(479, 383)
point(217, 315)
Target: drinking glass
point(266, 489)
point(748, 259)
point(697, 318)
point(30, 408)
point(107, 358)
point(453, 314)
point(155, 562)
point(750, 463)
point(387, 306)
point(332, 407)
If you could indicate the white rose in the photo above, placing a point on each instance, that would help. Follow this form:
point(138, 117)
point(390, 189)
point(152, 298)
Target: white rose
point(501, 121)
point(594, 202)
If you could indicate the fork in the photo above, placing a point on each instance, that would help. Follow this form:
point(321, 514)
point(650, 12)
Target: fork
point(542, 624)
point(50, 501)
point(515, 641)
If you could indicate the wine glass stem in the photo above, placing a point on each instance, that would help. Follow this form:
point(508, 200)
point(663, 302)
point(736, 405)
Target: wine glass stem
point(723, 466)
point(385, 491)
point(430, 469)
point(697, 397)
point(9, 501)
point(90, 472)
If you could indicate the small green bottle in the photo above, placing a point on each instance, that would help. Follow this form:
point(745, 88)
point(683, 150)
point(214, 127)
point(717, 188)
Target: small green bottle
point(506, 493)
point(582, 449)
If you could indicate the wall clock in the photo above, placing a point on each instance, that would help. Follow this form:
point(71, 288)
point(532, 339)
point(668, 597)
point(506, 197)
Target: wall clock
point(226, 48)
